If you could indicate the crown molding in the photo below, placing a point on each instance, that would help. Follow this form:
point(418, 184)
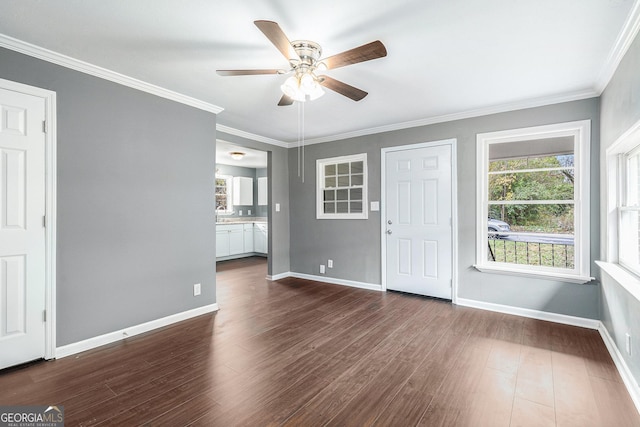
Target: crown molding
point(503, 108)
point(252, 136)
point(103, 73)
point(623, 42)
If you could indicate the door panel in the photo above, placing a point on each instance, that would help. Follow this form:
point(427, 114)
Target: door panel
point(22, 233)
point(418, 211)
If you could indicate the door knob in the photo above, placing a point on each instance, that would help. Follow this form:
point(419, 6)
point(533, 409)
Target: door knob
point(389, 231)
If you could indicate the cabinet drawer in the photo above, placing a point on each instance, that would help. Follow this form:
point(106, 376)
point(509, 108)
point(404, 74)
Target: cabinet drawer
point(229, 227)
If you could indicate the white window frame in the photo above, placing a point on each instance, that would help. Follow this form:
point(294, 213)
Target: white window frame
point(229, 181)
point(617, 155)
point(581, 132)
point(612, 201)
point(624, 206)
point(320, 168)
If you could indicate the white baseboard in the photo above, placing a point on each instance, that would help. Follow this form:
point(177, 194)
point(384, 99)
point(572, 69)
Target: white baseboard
point(333, 280)
point(88, 344)
point(533, 314)
point(279, 276)
point(627, 377)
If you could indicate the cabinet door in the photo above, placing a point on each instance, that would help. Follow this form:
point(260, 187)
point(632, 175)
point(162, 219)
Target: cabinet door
point(242, 191)
point(222, 243)
point(248, 238)
point(260, 240)
point(262, 191)
point(236, 242)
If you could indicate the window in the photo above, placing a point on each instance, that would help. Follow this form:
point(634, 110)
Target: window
point(629, 210)
point(223, 195)
point(342, 187)
point(533, 199)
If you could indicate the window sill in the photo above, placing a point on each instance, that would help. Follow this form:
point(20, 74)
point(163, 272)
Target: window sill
point(626, 279)
point(559, 277)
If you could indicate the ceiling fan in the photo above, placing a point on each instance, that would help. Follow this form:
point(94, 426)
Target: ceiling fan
point(305, 64)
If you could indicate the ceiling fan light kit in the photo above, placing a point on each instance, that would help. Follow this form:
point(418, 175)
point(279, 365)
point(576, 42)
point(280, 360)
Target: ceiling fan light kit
point(304, 62)
point(302, 87)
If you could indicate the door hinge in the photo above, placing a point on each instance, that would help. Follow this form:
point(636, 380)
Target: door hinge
point(44, 315)
point(44, 126)
point(44, 221)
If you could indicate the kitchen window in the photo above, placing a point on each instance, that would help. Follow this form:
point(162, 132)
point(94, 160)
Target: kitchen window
point(223, 195)
point(342, 187)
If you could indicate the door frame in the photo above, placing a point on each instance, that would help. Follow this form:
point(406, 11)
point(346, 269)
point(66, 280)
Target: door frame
point(50, 166)
point(453, 142)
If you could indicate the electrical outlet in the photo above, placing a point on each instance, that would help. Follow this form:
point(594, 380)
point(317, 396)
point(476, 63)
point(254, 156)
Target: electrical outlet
point(330, 263)
point(196, 289)
point(249, 212)
point(239, 213)
point(628, 342)
point(322, 270)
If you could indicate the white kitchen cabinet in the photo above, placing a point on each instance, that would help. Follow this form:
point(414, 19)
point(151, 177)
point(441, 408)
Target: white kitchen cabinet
point(260, 238)
point(236, 241)
point(242, 191)
point(222, 242)
point(248, 237)
point(229, 239)
point(263, 191)
point(241, 239)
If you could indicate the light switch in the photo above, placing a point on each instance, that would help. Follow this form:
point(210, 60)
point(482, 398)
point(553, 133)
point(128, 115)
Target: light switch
point(277, 207)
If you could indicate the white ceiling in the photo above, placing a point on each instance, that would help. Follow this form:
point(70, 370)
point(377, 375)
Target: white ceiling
point(445, 58)
point(252, 158)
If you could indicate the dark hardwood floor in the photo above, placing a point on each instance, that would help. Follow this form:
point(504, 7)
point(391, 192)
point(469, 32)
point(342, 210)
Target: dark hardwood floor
point(301, 353)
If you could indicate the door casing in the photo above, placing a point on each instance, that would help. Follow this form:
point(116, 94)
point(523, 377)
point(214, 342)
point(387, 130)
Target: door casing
point(49, 98)
point(454, 209)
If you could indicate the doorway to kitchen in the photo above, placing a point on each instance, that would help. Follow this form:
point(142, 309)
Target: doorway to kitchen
point(241, 202)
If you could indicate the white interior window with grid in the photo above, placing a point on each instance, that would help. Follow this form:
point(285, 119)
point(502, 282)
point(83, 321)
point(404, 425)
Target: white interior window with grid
point(342, 187)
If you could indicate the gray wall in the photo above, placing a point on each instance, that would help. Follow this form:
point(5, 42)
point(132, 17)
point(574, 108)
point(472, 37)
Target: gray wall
point(355, 247)
point(620, 109)
point(278, 222)
point(135, 201)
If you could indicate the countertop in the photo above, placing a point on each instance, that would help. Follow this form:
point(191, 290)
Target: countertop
point(242, 221)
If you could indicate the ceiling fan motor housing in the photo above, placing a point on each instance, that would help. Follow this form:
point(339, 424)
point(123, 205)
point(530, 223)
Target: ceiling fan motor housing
point(309, 53)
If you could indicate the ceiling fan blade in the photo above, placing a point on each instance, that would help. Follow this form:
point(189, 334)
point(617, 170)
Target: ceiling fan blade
point(343, 88)
point(276, 36)
point(285, 100)
point(362, 53)
point(246, 72)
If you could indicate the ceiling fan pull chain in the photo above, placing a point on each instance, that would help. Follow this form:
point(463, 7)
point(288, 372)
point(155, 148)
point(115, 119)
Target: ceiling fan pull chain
point(302, 141)
point(298, 140)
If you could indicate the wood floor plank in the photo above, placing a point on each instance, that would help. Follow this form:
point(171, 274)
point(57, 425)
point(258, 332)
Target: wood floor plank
point(300, 352)
point(530, 414)
point(414, 397)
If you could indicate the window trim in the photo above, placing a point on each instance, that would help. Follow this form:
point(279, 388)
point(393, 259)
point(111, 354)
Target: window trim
point(320, 163)
point(229, 180)
point(581, 131)
point(615, 174)
point(622, 201)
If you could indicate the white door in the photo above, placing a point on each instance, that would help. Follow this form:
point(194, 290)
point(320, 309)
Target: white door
point(22, 233)
point(418, 220)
